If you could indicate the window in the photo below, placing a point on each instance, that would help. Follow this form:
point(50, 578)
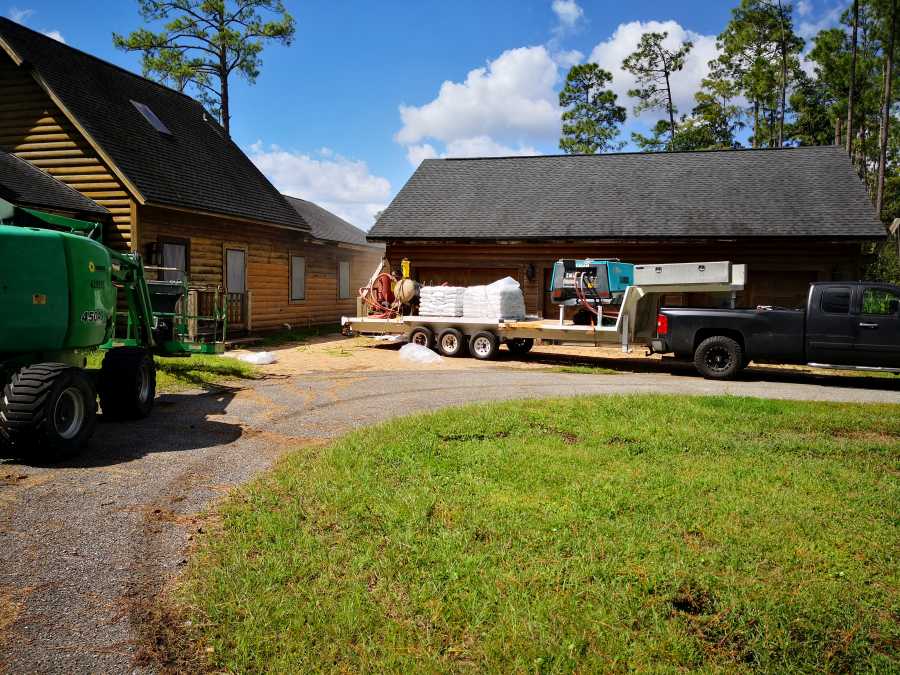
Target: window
point(151, 117)
point(880, 302)
point(343, 280)
point(235, 270)
point(298, 278)
point(175, 258)
point(836, 300)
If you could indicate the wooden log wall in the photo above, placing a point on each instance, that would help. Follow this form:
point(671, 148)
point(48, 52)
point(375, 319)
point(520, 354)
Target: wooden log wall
point(34, 128)
point(269, 250)
point(779, 270)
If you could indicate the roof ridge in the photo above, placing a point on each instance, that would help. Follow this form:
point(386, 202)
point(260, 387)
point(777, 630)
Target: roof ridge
point(638, 152)
point(66, 45)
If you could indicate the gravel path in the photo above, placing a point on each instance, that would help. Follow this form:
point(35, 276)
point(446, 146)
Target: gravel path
point(85, 545)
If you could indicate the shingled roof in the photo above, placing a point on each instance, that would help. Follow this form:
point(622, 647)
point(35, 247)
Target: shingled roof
point(797, 192)
point(24, 184)
point(195, 167)
point(326, 225)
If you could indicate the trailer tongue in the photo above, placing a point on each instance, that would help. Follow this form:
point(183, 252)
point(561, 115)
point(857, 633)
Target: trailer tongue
point(620, 299)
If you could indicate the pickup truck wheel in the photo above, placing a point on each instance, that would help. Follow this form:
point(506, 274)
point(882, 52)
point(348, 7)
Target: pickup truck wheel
point(718, 358)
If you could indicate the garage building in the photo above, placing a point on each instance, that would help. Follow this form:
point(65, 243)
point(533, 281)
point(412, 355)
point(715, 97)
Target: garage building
point(793, 215)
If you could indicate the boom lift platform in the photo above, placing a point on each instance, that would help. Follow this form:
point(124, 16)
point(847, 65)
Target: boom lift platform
point(624, 312)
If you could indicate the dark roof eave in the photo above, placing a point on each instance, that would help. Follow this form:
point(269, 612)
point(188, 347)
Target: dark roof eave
point(720, 237)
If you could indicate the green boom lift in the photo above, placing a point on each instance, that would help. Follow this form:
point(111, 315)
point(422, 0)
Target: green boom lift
point(63, 295)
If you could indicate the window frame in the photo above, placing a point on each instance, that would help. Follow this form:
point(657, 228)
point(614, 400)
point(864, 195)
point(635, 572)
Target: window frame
point(340, 294)
point(291, 258)
point(825, 292)
point(175, 241)
point(862, 302)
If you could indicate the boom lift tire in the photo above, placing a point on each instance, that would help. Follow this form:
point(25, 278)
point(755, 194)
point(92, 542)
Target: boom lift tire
point(127, 383)
point(484, 345)
point(422, 335)
point(719, 358)
point(451, 342)
point(49, 409)
point(520, 346)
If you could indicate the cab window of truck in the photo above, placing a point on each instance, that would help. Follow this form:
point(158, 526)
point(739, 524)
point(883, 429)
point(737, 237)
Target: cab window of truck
point(880, 302)
point(836, 300)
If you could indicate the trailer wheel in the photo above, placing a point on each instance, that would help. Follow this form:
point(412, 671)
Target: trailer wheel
point(451, 342)
point(718, 358)
point(127, 383)
point(422, 335)
point(49, 409)
point(484, 345)
point(520, 346)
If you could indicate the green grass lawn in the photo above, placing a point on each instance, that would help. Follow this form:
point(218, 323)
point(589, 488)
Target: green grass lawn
point(615, 533)
point(197, 371)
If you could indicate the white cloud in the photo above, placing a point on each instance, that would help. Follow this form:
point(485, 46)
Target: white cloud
point(55, 34)
point(512, 101)
point(338, 184)
point(485, 146)
point(567, 59)
point(416, 154)
point(804, 7)
point(20, 15)
point(811, 26)
point(567, 12)
point(610, 54)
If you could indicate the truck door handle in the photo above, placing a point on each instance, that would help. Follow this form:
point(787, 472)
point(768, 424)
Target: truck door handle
point(868, 325)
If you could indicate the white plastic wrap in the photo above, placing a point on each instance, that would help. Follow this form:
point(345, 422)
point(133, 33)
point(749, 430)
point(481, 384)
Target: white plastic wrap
point(441, 300)
point(259, 358)
point(419, 354)
point(502, 299)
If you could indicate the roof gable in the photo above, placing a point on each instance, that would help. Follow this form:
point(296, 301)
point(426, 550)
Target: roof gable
point(24, 184)
point(800, 192)
point(194, 167)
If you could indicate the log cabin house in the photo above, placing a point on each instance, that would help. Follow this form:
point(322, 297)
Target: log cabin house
point(174, 187)
point(793, 216)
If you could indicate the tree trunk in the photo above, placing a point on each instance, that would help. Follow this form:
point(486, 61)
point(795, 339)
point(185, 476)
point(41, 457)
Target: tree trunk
point(886, 110)
point(671, 114)
point(784, 74)
point(838, 140)
point(756, 124)
point(223, 79)
point(851, 97)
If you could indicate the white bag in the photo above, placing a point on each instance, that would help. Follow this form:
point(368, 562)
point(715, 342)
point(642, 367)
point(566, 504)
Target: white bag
point(502, 299)
point(259, 358)
point(441, 300)
point(419, 354)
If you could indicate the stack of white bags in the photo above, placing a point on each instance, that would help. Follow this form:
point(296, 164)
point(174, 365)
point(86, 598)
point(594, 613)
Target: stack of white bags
point(441, 300)
point(502, 299)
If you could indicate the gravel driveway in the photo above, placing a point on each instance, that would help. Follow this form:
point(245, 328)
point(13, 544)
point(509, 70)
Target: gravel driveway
point(85, 545)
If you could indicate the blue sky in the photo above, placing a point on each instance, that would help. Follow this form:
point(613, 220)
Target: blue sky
point(368, 89)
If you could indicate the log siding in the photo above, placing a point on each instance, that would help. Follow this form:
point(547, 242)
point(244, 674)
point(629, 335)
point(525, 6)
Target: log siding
point(34, 128)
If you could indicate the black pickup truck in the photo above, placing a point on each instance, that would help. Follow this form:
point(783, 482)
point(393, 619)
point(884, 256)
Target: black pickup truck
point(845, 324)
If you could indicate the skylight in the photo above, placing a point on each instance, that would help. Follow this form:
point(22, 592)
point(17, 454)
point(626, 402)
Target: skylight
point(151, 117)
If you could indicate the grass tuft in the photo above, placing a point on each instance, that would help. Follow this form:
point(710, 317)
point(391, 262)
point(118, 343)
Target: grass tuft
point(597, 534)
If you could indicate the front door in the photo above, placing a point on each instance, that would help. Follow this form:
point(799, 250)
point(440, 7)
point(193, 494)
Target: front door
point(878, 339)
point(831, 326)
point(236, 286)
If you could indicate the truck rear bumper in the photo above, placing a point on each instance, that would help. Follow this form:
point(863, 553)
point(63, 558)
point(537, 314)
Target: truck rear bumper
point(659, 346)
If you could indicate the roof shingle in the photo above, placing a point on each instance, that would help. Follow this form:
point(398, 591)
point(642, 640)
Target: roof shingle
point(24, 184)
point(195, 167)
point(326, 225)
point(796, 192)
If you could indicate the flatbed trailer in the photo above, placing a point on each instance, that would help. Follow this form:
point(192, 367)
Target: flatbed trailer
point(635, 321)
